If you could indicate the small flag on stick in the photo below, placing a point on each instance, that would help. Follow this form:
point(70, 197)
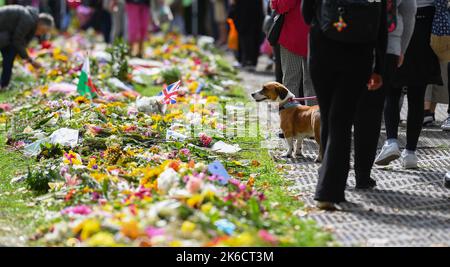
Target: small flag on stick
point(170, 93)
point(85, 85)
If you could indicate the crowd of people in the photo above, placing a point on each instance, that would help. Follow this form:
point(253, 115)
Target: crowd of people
point(358, 57)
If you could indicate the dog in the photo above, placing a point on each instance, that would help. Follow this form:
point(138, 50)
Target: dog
point(297, 121)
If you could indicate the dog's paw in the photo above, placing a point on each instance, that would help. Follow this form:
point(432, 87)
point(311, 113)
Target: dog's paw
point(318, 159)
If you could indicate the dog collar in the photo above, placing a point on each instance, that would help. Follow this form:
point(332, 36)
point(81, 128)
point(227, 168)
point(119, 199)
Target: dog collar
point(289, 104)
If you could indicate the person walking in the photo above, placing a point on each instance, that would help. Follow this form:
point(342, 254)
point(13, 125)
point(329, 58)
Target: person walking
point(420, 68)
point(248, 15)
point(18, 25)
point(370, 109)
point(342, 47)
point(440, 42)
point(138, 14)
point(294, 48)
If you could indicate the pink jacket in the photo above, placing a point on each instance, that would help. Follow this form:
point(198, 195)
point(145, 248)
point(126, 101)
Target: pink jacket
point(294, 35)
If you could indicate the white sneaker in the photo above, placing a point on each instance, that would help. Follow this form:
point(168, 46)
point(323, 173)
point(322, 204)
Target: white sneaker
point(389, 153)
point(446, 125)
point(410, 160)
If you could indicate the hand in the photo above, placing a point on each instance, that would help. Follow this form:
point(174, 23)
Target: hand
point(375, 82)
point(401, 59)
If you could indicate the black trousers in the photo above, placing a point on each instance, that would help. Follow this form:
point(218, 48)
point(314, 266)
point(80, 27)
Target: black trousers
point(278, 69)
point(9, 54)
point(448, 86)
point(416, 99)
point(340, 73)
point(249, 44)
point(368, 123)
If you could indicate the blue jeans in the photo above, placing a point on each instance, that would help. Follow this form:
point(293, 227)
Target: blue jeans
point(8, 54)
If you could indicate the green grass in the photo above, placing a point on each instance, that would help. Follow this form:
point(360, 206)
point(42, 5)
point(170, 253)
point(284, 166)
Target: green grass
point(15, 209)
point(151, 90)
point(280, 203)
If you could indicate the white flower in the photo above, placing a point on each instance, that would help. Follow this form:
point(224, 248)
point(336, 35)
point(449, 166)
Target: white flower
point(167, 180)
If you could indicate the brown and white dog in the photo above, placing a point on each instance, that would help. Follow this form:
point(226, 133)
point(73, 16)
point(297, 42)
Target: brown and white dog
point(297, 121)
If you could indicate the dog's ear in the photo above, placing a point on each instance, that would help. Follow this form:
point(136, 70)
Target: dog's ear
point(282, 91)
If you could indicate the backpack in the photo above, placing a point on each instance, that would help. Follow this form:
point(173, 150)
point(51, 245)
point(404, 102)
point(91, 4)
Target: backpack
point(350, 21)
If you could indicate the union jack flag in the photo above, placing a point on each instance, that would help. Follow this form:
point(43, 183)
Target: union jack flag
point(170, 93)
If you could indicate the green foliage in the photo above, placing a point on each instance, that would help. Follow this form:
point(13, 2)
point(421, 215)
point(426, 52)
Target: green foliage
point(171, 75)
point(49, 151)
point(119, 59)
point(38, 180)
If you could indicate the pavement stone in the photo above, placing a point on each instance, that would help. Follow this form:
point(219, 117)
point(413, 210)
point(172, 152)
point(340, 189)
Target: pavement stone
point(408, 207)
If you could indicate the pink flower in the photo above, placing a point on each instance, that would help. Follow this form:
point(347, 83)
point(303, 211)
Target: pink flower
point(194, 184)
point(5, 107)
point(152, 231)
point(205, 140)
point(185, 152)
point(71, 180)
point(80, 210)
point(268, 237)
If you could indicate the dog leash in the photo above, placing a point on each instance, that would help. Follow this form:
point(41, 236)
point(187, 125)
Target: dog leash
point(304, 98)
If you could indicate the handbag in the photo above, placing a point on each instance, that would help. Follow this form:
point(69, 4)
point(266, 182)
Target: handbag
point(233, 36)
point(273, 35)
point(440, 37)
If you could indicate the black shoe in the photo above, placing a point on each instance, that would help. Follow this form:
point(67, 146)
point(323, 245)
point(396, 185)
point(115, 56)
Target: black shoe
point(447, 180)
point(428, 118)
point(367, 184)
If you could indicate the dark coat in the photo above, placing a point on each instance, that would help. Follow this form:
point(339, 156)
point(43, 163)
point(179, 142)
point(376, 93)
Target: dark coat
point(17, 27)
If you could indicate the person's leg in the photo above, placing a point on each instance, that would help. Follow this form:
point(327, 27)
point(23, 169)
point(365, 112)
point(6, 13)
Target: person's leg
point(368, 126)
point(416, 95)
point(336, 163)
point(278, 68)
point(308, 88)
point(392, 112)
point(292, 70)
point(8, 54)
point(132, 11)
point(106, 25)
point(144, 22)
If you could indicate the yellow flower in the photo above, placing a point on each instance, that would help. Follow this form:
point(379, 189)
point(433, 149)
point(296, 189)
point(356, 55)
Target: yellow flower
point(195, 201)
point(206, 208)
point(212, 99)
point(44, 89)
point(188, 227)
point(99, 177)
point(102, 239)
point(88, 228)
point(242, 240)
point(176, 244)
point(76, 110)
point(130, 229)
point(72, 158)
point(81, 100)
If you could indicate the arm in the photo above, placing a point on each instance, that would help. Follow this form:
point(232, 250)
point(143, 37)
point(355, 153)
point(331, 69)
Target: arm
point(19, 40)
point(408, 9)
point(308, 10)
point(283, 6)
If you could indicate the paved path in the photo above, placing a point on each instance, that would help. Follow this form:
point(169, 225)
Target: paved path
point(408, 208)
